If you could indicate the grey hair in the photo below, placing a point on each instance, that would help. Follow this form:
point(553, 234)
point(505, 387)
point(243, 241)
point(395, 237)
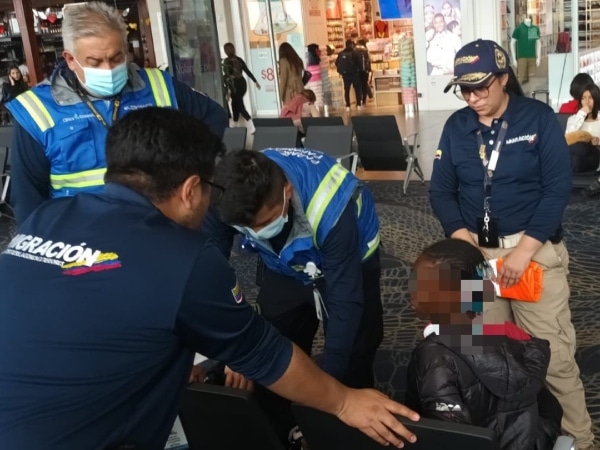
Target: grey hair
point(91, 19)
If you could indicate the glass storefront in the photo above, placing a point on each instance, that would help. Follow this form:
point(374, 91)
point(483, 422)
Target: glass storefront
point(193, 45)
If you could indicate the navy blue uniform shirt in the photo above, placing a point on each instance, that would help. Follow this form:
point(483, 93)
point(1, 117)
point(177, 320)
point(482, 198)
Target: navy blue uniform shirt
point(30, 169)
point(104, 302)
point(532, 182)
point(343, 293)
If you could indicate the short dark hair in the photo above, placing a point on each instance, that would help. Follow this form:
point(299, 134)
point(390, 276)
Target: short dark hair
point(251, 180)
point(579, 81)
point(154, 150)
point(456, 252)
point(595, 93)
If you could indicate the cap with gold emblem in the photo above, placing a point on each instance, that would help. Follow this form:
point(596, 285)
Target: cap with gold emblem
point(476, 62)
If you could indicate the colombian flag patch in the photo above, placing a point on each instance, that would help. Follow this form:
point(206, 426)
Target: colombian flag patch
point(237, 293)
point(438, 154)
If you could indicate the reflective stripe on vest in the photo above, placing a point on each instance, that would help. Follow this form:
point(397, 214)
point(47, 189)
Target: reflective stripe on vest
point(84, 179)
point(36, 110)
point(372, 245)
point(323, 195)
point(159, 88)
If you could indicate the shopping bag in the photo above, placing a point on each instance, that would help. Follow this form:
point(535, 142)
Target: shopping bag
point(529, 287)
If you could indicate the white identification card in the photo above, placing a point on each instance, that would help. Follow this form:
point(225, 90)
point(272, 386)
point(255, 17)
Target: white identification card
point(319, 305)
point(493, 161)
point(493, 266)
point(177, 439)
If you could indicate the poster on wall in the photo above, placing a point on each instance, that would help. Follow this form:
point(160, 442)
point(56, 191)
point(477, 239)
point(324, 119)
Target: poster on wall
point(315, 8)
point(443, 35)
point(262, 67)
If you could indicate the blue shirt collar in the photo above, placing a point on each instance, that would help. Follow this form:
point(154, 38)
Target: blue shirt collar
point(126, 194)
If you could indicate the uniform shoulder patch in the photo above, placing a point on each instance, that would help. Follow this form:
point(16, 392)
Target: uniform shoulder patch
point(438, 154)
point(237, 293)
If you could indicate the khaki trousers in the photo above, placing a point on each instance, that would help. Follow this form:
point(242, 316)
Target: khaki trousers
point(550, 319)
point(524, 67)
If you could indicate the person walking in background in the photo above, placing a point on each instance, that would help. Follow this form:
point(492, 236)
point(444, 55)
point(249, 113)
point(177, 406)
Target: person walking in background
point(291, 68)
point(315, 84)
point(347, 67)
point(364, 69)
point(501, 181)
point(14, 86)
point(234, 68)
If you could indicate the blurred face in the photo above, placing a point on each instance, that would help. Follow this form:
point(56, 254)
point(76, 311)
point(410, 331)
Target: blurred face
point(439, 24)
point(104, 52)
point(15, 74)
point(437, 293)
point(488, 100)
point(428, 14)
point(457, 30)
point(447, 9)
point(587, 100)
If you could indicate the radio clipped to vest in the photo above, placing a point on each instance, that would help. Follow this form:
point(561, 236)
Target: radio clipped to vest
point(314, 274)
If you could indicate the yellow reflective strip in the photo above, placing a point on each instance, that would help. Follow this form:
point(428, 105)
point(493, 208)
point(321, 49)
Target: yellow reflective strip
point(159, 88)
point(323, 195)
point(36, 110)
point(86, 178)
point(359, 205)
point(372, 245)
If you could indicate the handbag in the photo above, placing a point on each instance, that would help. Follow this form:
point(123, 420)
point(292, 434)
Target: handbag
point(306, 76)
point(529, 287)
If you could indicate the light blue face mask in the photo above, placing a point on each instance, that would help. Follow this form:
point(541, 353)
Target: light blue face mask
point(269, 231)
point(104, 82)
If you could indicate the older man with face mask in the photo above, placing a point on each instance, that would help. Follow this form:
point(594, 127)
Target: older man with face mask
point(61, 125)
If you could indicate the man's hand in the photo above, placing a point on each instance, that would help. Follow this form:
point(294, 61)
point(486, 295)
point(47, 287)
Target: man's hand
point(197, 375)
point(373, 413)
point(236, 380)
point(517, 261)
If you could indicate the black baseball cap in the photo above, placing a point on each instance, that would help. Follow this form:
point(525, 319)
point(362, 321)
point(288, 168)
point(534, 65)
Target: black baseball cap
point(477, 62)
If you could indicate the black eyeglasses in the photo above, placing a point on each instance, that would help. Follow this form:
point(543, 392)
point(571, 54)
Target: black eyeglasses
point(217, 191)
point(482, 92)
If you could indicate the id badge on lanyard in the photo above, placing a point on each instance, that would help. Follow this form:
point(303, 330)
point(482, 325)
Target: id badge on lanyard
point(487, 227)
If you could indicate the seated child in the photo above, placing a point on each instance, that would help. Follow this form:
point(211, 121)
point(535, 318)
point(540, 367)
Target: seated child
point(471, 372)
point(301, 105)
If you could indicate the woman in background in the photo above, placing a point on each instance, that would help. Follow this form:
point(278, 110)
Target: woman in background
point(14, 86)
point(579, 82)
point(234, 68)
point(301, 105)
point(585, 156)
point(291, 68)
point(315, 83)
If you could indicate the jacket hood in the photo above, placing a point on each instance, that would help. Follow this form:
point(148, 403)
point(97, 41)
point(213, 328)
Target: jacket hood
point(512, 370)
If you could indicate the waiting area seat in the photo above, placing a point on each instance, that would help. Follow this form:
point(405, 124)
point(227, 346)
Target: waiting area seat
point(235, 138)
point(336, 141)
point(272, 122)
point(382, 148)
point(324, 431)
point(269, 137)
point(581, 179)
point(308, 122)
point(218, 417)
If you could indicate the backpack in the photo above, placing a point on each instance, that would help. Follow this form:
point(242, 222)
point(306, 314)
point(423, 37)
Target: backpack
point(345, 63)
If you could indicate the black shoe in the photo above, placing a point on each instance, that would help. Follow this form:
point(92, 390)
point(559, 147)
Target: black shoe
point(592, 190)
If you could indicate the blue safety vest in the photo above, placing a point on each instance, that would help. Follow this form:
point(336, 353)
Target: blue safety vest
point(325, 188)
point(73, 138)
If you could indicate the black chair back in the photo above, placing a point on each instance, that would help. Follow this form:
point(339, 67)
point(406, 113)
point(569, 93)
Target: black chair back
point(308, 122)
point(235, 138)
point(275, 137)
point(562, 120)
point(336, 141)
point(325, 432)
point(273, 122)
point(379, 142)
point(218, 417)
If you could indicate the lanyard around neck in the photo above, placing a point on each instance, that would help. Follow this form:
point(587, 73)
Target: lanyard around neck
point(489, 166)
point(84, 97)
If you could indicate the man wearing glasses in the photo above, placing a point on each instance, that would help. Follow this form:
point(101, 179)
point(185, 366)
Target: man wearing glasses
point(501, 181)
